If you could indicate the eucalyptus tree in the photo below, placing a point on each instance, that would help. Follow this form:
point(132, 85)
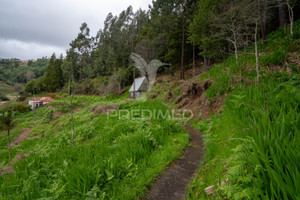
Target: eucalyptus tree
point(118, 39)
point(80, 52)
point(201, 31)
point(234, 23)
point(291, 4)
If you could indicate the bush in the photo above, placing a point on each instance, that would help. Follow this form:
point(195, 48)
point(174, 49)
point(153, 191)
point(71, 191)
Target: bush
point(18, 87)
point(61, 95)
point(52, 95)
point(30, 87)
point(277, 57)
point(18, 107)
point(22, 97)
point(3, 98)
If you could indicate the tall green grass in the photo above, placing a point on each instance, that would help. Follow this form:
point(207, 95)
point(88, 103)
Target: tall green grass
point(112, 158)
point(266, 164)
point(254, 143)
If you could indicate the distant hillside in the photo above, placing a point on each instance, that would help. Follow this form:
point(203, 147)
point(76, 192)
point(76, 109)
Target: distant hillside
point(14, 71)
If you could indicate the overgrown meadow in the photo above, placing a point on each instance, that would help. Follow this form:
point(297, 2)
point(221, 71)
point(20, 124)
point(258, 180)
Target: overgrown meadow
point(112, 158)
point(252, 146)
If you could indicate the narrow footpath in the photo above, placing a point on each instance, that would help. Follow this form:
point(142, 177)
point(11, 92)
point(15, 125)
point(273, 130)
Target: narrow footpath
point(172, 184)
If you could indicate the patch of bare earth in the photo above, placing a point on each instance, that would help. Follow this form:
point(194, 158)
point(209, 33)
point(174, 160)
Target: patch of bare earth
point(101, 110)
point(23, 134)
point(9, 168)
point(191, 97)
point(57, 114)
point(51, 107)
point(294, 58)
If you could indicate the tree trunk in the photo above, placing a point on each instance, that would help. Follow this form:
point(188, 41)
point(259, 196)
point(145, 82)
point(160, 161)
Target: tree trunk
point(182, 51)
point(133, 82)
point(265, 15)
point(256, 54)
point(236, 53)
point(194, 61)
point(106, 96)
point(261, 20)
point(72, 121)
point(207, 63)
point(291, 17)
point(282, 13)
point(70, 85)
point(8, 135)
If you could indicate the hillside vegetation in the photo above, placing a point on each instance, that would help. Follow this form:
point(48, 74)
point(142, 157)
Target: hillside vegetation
point(112, 158)
point(251, 129)
point(15, 72)
point(252, 144)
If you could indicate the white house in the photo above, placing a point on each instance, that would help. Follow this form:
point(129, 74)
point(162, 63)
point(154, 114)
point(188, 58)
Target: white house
point(37, 102)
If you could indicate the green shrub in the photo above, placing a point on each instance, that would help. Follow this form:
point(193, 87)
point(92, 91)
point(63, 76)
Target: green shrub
point(277, 57)
point(112, 97)
point(22, 97)
point(18, 107)
point(3, 98)
point(62, 106)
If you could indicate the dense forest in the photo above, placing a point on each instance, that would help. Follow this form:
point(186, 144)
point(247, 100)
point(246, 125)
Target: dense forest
point(176, 32)
point(14, 71)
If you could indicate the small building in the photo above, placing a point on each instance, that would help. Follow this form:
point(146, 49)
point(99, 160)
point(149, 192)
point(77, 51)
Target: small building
point(37, 102)
point(140, 85)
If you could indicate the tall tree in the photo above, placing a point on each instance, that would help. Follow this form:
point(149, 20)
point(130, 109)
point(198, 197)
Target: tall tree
point(182, 41)
point(53, 78)
point(260, 7)
point(282, 13)
point(201, 32)
point(233, 24)
point(291, 4)
point(80, 52)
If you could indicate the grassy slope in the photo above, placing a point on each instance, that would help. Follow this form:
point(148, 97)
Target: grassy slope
point(254, 142)
point(112, 158)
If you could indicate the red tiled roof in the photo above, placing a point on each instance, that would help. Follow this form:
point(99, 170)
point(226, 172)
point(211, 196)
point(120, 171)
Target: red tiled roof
point(48, 99)
point(41, 99)
point(35, 99)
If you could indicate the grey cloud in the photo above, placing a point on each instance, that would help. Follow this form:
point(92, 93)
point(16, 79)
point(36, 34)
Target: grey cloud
point(27, 50)
point(52, 23)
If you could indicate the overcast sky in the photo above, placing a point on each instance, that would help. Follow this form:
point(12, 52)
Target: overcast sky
point(31, 29)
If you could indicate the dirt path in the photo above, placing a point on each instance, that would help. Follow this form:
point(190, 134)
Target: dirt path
point(23, 134)
point(171, 185)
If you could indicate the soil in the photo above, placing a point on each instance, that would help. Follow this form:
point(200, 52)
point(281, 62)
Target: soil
point(10, 169)
point(172, 184)
point(192, 96)
point(58, 114)
point(23, 134)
